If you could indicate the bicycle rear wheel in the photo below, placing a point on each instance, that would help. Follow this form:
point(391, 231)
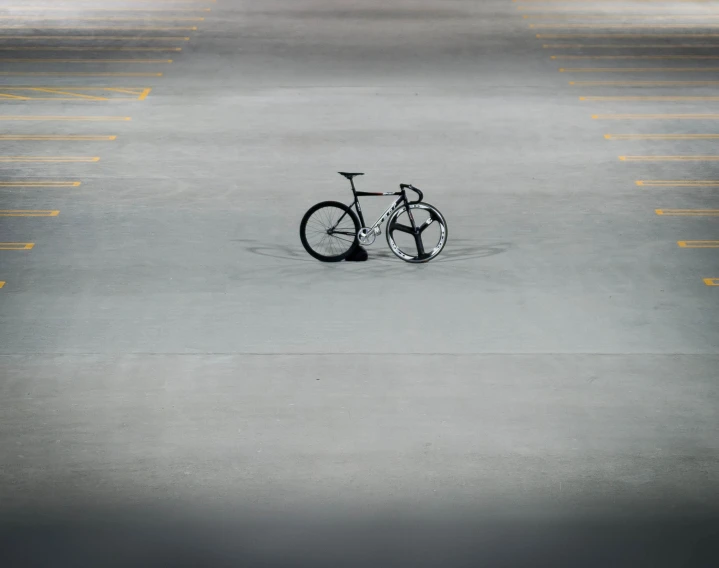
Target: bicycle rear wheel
point(328, 231)
point(421, 245)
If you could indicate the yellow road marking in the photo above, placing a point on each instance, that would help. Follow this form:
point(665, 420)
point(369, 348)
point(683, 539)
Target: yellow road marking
point(49, 159)
point(23, 60)
point(28, 213)
point(688, 212)
point(698, 244)
point(109, 28)
point(85, 48)
point(2, 283)
point(634, 57)
point(77, 74)
point(628, 45)
point(74, 93)
point(95, 37)
point(637, 69)
point(102, 18)
point(677, 183)
point(620, 36)
point(669, 158)
point(649, 98)
point(624, 26)
point(620, 16)
point(642, 83)
point(66, 118)
point(16, 246)
point(35, 183)
point(657, 136)
point(711, 281)
point(49, 137)
point(655, 116)
point(93, 9)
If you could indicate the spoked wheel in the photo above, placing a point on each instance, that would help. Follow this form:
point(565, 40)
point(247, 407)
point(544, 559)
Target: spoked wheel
point(329, 231)
point(421, 243)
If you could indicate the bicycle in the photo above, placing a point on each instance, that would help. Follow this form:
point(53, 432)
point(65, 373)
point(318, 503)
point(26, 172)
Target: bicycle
point(338, 231)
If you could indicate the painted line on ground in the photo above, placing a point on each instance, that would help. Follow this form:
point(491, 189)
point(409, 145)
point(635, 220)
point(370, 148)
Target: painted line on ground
point(16, 246)
point(86, 61)
point(102, 18)
point(85, 48)
point(624, 26)
point(78, 74)
point(669, 158)
point(39, 183)
point(639, 70)
point(711, 281)
point(2, 284)
point(642, 83)
point(628, 46)
point(622, 36)
point(28, 213)
point(94, 37)
point(656, 136)
point(649, 98)
point(688, 212)
point(698, 244)
point(75, 9)
point(677, 183)
point(71, 93)
point(49, 159)
point(105, 28)
point(63, 137)
point(655, 116)
point(66, 118)
point(634, 57)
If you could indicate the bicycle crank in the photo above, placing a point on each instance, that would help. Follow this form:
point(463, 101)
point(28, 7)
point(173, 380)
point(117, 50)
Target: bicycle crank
point(367, 235)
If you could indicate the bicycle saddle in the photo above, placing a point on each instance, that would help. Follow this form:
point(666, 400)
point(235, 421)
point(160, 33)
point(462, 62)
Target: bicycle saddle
point(349, 175)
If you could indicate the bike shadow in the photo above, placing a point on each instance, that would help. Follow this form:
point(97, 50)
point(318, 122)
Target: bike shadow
point(458, 250)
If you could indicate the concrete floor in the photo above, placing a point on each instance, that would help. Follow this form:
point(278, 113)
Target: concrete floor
point(168, 342)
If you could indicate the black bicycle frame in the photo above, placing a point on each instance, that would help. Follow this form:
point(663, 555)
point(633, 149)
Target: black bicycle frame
point(402, 199)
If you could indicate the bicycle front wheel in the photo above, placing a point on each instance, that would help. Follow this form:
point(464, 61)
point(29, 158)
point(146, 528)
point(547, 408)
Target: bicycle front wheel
point(328, 231)
point(423, 243)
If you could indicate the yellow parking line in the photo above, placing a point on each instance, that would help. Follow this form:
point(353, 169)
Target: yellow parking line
point(91, 61)
point(105, 28)
point(37, 183)
point(669, 158)
point(93, 9)
point(634, 57)
point(650, 98)
point(77, 74)
point(71, 93)
point(628, 46)
point(85, 48)
point(101, 19)
point(624, 26)
point(49, 159)
point(622, 36)
point(2, 283)
point(638, 69)
point(688, 212)
point(698, 244)
point(711, 281)
point(66, 118)
point(16, 246)
point(642, 83)
point(28, 213)
point(51, 137)
point(94, 37)
point(620, 16)
point(677, 183)
point(659, 136)
point(655, 116)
